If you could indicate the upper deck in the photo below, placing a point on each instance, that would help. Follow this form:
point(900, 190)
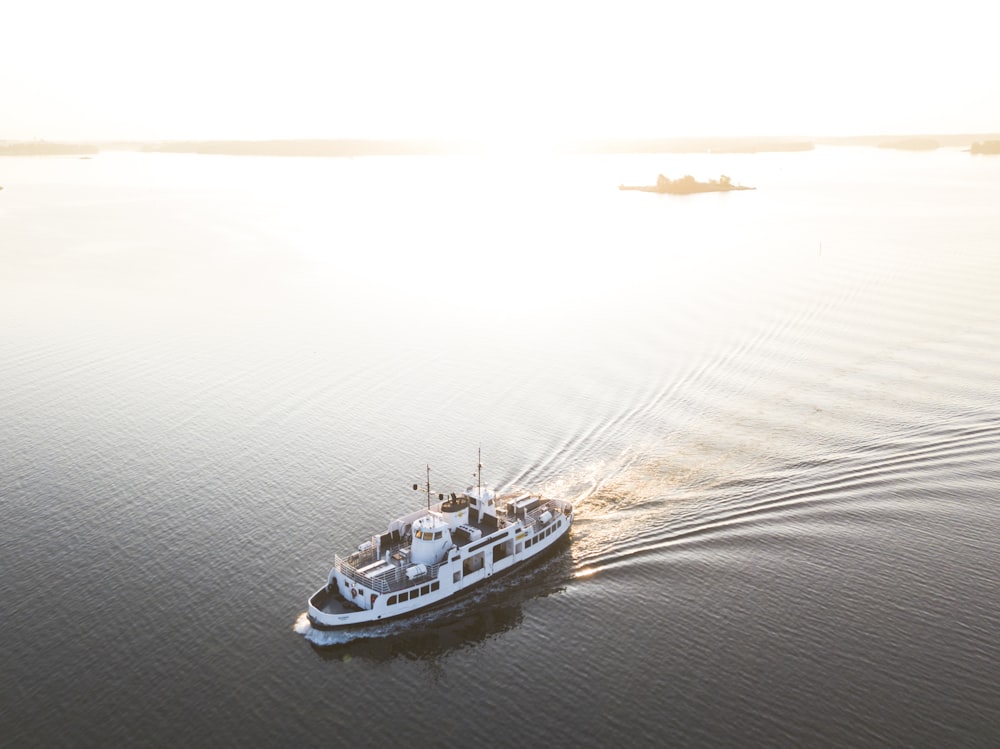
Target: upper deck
point(384, 564)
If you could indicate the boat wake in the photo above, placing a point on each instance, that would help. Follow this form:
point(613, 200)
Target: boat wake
point(648, 507)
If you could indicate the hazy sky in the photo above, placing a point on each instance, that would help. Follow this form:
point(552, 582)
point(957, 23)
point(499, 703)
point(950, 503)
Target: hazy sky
point(299, 68)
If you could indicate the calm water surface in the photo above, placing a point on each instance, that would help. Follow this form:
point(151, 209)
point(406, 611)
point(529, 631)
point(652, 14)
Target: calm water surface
point(777, 413)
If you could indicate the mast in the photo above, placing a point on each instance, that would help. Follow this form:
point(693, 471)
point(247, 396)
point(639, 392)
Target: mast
point(479, 472)
point(417, 486)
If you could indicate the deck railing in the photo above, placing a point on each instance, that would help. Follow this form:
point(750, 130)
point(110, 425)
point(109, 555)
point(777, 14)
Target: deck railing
point(533, 517)
point(386, 582)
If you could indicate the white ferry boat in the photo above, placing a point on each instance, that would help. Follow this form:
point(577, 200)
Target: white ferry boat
point(432, 554)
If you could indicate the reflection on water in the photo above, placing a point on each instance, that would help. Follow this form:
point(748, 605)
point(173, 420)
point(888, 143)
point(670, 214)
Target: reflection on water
point(427, 639)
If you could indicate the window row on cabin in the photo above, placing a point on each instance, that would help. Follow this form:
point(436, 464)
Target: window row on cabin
point(540, 536)
point(408, 595)
point(428, 535)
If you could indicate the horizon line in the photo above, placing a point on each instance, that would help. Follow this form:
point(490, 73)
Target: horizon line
point(501, 139)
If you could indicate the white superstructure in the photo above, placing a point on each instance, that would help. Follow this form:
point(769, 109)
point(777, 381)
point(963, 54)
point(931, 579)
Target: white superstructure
point(432, 554)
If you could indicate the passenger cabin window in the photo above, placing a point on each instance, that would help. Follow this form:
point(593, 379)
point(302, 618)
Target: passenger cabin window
point(437, 535)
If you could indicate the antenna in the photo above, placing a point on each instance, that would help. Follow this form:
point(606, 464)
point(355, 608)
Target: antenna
point(479, 472)
point(428, 487)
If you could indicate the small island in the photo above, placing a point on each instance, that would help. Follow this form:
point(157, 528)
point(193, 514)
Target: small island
point(986, 146)
point(687, 185)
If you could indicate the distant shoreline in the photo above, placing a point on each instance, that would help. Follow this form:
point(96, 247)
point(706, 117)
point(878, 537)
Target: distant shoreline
point(46, 148)
point(351, 147)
